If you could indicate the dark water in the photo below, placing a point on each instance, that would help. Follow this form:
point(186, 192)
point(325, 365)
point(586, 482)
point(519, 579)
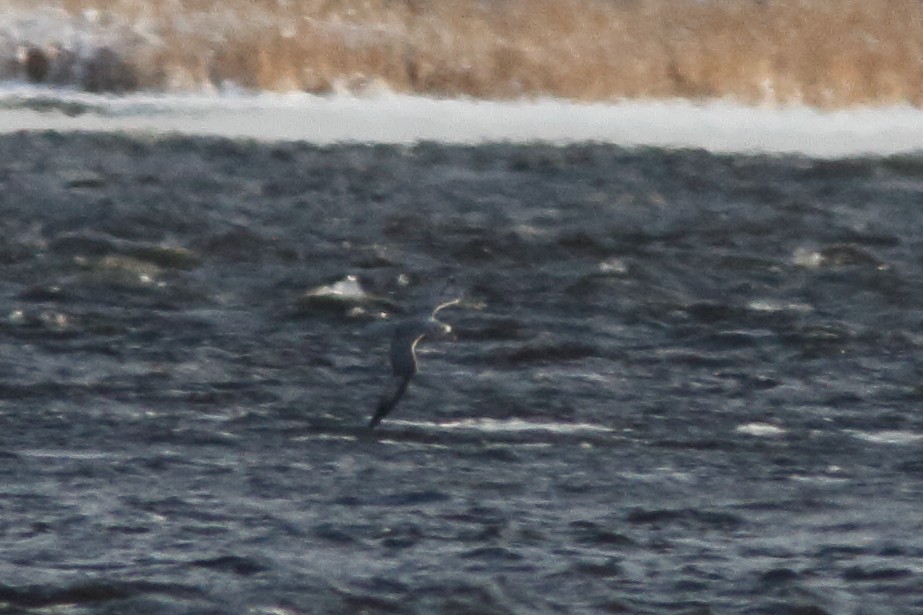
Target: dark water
point(692, 384)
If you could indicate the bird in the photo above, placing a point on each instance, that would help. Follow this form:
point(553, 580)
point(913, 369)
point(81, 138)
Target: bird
point(407, 334)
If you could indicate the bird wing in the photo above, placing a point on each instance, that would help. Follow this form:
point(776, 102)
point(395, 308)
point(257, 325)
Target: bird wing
point(389, 400)
point(446, 304)
point(441, 293)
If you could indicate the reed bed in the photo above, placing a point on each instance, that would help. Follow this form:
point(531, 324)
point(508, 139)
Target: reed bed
point(824, 53)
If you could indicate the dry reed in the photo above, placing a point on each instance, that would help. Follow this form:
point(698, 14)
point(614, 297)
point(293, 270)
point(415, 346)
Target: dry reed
point(827, 53)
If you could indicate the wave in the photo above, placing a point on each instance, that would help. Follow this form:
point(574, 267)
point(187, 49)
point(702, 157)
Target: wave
point(825, 53)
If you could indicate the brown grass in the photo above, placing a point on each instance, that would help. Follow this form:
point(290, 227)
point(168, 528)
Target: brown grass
point(827, 53)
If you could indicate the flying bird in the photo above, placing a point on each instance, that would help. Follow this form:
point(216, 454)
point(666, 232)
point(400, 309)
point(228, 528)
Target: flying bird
point(407, 335)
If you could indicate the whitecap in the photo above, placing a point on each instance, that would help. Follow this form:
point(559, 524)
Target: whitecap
point(764, 430)
point(809, 259)
point(347, 289)
point(771, 305)
point(507, 426)
point(887, 436)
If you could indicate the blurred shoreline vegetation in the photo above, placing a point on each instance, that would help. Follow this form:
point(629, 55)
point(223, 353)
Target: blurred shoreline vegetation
point(823, 53)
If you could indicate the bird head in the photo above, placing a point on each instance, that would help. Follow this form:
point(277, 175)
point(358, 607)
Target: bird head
point(437, 328)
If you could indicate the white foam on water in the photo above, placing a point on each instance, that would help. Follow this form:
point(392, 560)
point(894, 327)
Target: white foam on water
point(507, 426)
point(886, 436)
point(772, 305)
point(66, 454)
point(325, 436)
point(764, 430)
point(401, 119)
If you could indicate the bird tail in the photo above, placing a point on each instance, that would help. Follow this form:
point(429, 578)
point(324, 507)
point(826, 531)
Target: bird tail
point(387, 403)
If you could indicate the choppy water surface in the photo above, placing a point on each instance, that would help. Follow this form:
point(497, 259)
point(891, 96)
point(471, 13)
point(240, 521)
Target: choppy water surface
point(688, 383)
